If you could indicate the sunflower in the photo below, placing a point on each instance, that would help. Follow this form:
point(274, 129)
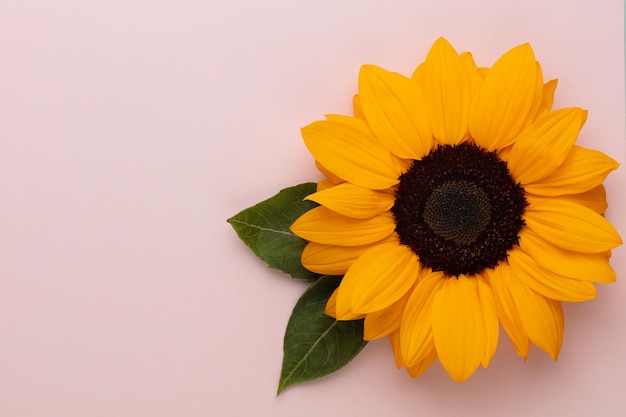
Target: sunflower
point(456, 201)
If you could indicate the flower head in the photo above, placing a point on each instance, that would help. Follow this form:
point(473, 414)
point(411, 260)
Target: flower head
point(454, 201)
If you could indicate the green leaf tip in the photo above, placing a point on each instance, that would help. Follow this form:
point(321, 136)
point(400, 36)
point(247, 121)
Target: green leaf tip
point(315, 344)
point(264, 228)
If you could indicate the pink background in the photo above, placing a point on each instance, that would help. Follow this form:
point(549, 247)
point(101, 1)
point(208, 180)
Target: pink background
point(132, 129)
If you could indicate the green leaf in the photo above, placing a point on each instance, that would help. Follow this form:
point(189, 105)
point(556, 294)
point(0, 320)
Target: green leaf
point(315, 344)
point(265, 229)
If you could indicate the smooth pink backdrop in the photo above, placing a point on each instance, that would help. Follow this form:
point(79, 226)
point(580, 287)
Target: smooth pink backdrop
point(131, 130)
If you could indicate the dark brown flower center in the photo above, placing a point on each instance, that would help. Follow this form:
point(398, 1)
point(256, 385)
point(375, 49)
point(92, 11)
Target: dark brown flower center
point(459, 209)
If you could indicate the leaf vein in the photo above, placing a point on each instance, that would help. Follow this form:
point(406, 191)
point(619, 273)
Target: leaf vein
point(300, 362)
point(282, 232)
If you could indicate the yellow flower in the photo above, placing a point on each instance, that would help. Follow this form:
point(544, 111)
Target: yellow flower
point(455, 201)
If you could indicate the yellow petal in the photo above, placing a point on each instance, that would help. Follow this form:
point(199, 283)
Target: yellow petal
point(334, 179)
point(541, 317)
point(418, 74)
point(358, 109)
point(423, 364)
point(540, 149)
point(473, 74)
point(322, 225)
point(324, 184)
point(335, 260)
point(533, 113)
point(331, 309)
point(402, 165)
point(594, 199)
point(548, 97)
point(570, 226)
point(490, 316)
point(383, 322)
point(459, 327)
point(499, 280)
point(394, 109)
point(379, 278)
point(504, 153)
point(507, 97)
point(547, 283)
point(582, 170)
point(446, 89)
point(416, 329)
point(342, 118)
point(331, 305)
point(418, 369)
point(394, 340)
point(586, 267)
point(354, 201)
point(351, 151)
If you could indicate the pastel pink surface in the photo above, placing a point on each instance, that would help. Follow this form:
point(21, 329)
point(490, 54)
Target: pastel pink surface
point(132, 130)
